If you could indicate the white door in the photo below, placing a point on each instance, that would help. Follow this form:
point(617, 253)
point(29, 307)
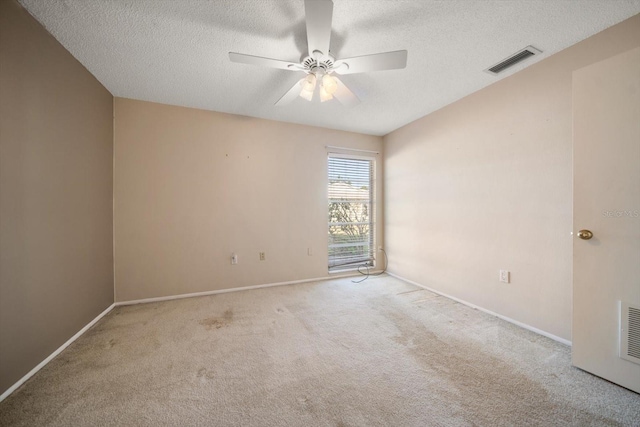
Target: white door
point(606, 201)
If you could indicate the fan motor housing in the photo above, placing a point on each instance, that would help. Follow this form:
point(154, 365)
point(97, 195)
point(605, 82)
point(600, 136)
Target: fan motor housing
point(322, 65)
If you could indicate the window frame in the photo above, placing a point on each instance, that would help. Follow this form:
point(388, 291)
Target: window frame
point(368, 259)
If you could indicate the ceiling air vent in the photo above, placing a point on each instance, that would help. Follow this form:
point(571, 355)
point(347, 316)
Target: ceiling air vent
point(509, 62)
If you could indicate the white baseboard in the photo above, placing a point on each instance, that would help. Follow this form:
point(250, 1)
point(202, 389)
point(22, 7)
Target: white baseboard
point(54, 354)
point(515, 322)
point(244, 288)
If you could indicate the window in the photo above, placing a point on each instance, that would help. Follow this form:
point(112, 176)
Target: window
point(351, 211)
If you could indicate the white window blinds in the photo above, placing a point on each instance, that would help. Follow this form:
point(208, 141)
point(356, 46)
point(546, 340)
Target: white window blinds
point(351, 212)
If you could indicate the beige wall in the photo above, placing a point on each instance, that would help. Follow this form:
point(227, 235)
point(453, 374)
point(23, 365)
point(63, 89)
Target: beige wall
point(486, 184)
point(193, 186)
point(56, 157)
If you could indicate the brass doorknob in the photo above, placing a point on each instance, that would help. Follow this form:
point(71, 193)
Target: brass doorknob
point(585, 234)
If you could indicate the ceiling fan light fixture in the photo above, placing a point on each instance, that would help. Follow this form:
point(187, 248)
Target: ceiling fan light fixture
point(309, 83)
point(319, 64)
point(324, 95)
point(306, 94)
point(329, 84)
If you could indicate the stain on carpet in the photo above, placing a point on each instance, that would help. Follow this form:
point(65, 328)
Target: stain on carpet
point(211, 323)
point(204, 373)
point(305, 402)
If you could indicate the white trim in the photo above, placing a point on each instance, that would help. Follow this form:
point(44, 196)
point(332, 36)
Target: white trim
point(113, 197)
point(351, 149)
point(224, 291)
point(54, 354)
point(468, 304)
point(365, 156)
point(352, 272)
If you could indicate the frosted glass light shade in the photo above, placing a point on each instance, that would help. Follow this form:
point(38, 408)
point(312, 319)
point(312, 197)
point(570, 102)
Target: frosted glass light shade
point(329, 84)
point(309, 83)
point(324, 95)
point(306, 94)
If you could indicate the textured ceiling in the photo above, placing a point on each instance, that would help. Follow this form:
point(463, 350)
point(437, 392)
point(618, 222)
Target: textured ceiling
point(176, 51)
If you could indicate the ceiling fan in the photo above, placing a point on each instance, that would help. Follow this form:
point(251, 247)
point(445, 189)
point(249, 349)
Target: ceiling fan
point(319, 65)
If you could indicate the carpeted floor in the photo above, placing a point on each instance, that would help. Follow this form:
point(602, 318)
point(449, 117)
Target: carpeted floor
point(379, 353)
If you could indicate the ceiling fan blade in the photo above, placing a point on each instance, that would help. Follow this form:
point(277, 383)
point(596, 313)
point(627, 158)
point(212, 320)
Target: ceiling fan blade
point(318, 15)
point(291, 94)
point(375, 62)
point(344, 95)
point(263, 62)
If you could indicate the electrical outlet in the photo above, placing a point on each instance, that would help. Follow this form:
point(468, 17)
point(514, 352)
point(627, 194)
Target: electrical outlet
point(309, 251)
point(234, 259)
point(262, 257)
point(505, 276)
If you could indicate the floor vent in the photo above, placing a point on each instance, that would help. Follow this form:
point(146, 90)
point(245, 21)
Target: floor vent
point(630, 332)
point(517, 57)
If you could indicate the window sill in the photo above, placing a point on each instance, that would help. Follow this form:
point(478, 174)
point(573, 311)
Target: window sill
point(351, 270)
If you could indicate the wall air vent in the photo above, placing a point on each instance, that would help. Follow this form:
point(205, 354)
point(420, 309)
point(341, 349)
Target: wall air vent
point(512, 60)
point(630, 332)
